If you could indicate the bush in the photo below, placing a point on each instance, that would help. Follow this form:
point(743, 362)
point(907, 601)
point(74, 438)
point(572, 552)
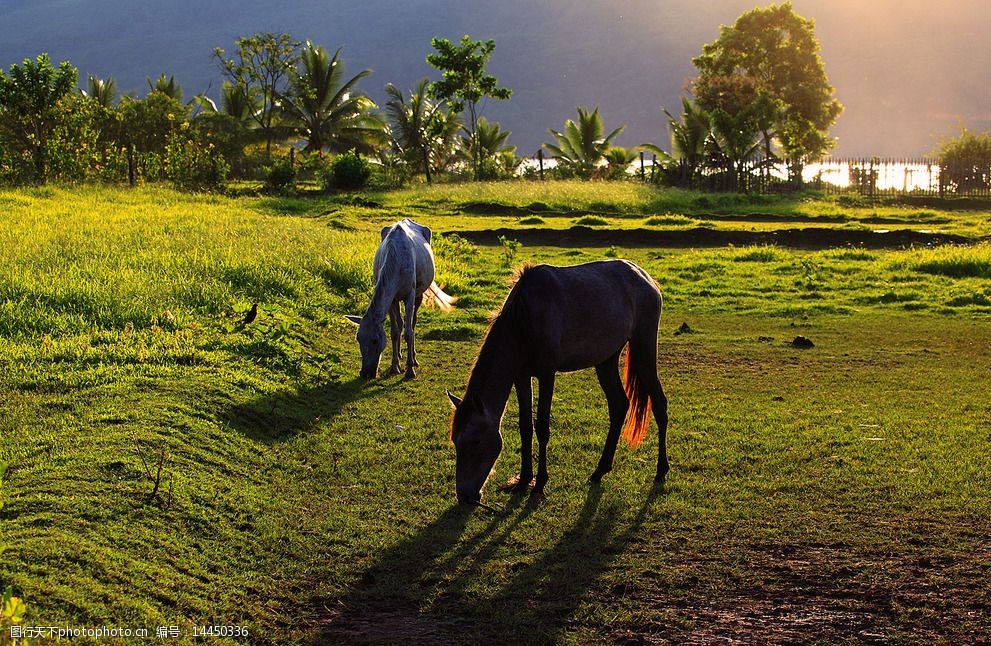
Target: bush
point(348, 172)
point(280, 176)
point(193, 166)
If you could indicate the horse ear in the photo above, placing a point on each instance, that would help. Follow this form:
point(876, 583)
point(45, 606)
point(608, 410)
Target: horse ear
point(455, 400)
point(353, 319)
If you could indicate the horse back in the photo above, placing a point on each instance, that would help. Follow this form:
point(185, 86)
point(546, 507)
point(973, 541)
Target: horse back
point(579, 316)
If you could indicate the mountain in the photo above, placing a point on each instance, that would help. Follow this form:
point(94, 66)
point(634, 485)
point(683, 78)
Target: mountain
point(906, 70)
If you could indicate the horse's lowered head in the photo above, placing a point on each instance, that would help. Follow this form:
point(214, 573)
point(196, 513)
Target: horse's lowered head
point(477, 445)
point(371, 341)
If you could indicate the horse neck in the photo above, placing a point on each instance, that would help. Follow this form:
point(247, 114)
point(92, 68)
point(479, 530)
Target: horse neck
point(384, 293)
point(497, 368)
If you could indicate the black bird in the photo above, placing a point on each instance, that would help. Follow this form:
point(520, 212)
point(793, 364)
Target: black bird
point(250, 316)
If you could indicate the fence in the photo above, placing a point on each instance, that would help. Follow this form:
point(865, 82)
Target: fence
point(867, 176)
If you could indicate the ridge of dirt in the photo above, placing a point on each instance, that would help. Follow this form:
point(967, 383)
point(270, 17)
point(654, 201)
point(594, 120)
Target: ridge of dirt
point(805, 238)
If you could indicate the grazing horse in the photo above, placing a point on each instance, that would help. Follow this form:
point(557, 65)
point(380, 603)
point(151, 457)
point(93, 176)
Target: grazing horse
point(560, 319)
point(404, 271)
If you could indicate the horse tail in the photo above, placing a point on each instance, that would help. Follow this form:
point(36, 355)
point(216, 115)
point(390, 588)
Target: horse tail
point(638, 417)
point(435, 295)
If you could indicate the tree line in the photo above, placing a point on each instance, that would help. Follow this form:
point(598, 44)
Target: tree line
point(761, 97)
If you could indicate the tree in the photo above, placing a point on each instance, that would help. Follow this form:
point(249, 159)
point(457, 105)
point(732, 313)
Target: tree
point(488, 146)
point(418, 127)
point(690, 137)
point(582, 144)
point(325, 108)
point(167, 86)
point(965, 161)
point(260, 73)
point(29, 106)
point(464, 83)
point(102, 91)
point(772, 52)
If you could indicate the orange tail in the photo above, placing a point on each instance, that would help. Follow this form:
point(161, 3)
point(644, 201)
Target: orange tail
point(638, 417)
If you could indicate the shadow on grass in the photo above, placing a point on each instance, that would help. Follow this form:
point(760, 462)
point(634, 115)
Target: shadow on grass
point(438, 586)
point(278, 416)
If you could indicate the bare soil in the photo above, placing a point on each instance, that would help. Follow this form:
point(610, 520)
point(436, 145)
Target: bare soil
point(804, 238)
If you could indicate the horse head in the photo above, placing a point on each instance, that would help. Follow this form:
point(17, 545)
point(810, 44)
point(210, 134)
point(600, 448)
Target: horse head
point(477, 444)
point(371, 341)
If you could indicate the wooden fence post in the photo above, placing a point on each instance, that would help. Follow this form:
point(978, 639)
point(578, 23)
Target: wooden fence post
point(540, 159)
point(130, 165)
point(643, 173)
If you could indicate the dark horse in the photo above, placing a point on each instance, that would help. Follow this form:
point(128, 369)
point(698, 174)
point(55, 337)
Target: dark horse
point(562, 319)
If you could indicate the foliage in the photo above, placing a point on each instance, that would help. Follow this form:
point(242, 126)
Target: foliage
point(422, 133)
point(193, 164)
point(102, 91)
point(222, 133)
point(689, 142)
point(772, 52)
point(280, 176)
point(496, 158)
point(325, 108)
point(510, 249)
point(582, 145)
point(965, 160)
point(464, 83)
point(258, 75)
point(30, 98)
point(348, 172)
point(149, 123)
point(167, 86)
point(618, 160)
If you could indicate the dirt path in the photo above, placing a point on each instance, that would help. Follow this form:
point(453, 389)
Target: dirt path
point(806, 238)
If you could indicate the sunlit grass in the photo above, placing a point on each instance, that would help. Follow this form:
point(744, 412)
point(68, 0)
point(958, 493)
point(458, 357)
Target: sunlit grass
point(300, 491)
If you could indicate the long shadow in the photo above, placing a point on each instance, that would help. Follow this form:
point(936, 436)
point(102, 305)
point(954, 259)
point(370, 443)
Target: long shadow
point(278, 416)
point(432, 587)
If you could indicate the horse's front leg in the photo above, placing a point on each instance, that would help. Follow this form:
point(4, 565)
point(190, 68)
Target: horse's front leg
point(521, 483)
point(544, 398)
point(396, 324)
point(411, 305)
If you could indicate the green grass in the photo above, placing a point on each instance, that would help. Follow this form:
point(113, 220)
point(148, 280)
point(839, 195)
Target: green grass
point(847, 483)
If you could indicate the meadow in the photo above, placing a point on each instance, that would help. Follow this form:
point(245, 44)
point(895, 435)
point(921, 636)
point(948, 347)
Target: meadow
point(833, 493)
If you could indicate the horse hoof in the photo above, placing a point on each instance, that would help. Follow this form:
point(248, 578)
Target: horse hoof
point(517, 486)
point(537, 498)
point(409, 374)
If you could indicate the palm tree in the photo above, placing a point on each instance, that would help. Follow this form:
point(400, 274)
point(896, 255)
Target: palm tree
point(690, 141)
point(582, 145)
point(741, 138)
point(167, 86)
point(322, 106)
point(412, 124)
point(103, 92)
point(491, 140)
point(619, 160)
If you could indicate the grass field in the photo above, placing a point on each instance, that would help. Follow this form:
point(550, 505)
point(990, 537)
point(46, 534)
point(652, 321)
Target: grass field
point(834, 493)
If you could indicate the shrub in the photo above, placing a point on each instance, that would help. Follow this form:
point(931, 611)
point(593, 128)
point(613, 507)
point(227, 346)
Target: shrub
point(191, 165)
point(348, 172)
point(280, 176)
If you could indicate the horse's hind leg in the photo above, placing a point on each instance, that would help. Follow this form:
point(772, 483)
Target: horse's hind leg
point(524, 394)
point(612, 386)
point(412, 302)
point(643, 350)
point(544, 399)
point(396, 324)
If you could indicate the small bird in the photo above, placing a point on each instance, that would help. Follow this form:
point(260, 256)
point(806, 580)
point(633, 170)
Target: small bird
point(250, 316)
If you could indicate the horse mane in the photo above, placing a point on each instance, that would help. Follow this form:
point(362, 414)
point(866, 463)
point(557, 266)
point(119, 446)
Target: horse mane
point(508, 320)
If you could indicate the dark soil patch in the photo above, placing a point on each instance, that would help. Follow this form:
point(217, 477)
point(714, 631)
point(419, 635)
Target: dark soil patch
point(807, 238)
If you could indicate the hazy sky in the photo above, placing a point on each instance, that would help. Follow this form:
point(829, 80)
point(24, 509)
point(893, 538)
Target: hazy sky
point(906, 70)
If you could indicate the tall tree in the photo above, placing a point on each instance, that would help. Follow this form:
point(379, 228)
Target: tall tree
point(29, 105)
point(582, 144)
point(772, 52)
point(324, 106)
point(260, 72)
point(464, 83)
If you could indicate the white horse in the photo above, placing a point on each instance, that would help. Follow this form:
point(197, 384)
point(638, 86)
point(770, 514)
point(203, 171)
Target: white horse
point(404, 272)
